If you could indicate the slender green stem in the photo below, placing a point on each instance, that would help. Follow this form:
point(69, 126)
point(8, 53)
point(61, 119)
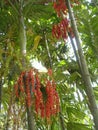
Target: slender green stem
point(48, 51)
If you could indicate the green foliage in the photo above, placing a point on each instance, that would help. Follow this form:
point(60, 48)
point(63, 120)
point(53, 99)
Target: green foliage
point(39, 19)
point(77, 126)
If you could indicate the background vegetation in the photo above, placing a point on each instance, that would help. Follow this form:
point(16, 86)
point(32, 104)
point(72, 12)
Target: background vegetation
point(39, 17)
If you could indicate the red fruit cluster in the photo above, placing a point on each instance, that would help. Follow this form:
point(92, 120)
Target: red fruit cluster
point(19, 86)
point(52, 104)
point(38, 95)
point(46, 104)
point(25, 84)
point(61, 29)
point(49, 106)
point(60, 7)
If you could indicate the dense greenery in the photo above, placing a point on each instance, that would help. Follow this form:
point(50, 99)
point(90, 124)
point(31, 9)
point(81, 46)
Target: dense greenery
point(39, 17)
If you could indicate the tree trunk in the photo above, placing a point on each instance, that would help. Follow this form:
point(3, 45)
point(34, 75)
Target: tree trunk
point(87, 79)
point(23, 42)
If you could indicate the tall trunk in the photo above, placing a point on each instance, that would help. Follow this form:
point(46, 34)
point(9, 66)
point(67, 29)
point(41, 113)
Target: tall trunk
point(87, 79)
point(23, 42)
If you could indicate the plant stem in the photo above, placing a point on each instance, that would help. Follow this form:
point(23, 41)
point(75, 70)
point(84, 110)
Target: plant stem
point(87, 79)
point(75, 52)
point(23, 42)
point(61, 120)
point(0, 93)
point(30, 119)
point(48, 51)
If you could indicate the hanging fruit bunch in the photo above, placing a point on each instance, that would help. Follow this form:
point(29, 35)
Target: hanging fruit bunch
point(45, 96)
point(62, 29)
point(60, 7)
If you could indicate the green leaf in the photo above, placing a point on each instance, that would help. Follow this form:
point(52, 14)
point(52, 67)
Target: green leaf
point(77, 126)
point(75, 113)
point(36, 42)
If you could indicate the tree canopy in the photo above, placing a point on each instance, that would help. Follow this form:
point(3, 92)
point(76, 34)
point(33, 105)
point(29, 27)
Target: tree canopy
point(42, 31)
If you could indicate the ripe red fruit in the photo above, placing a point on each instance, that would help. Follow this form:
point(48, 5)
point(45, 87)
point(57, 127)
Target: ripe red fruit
point(45, 97)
